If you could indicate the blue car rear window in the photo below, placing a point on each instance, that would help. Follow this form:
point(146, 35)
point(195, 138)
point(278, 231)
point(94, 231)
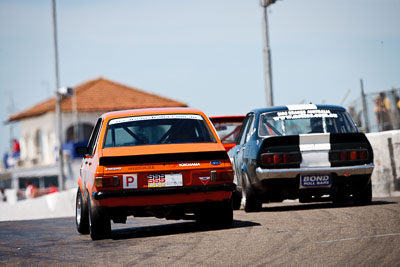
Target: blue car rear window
point(294, 122)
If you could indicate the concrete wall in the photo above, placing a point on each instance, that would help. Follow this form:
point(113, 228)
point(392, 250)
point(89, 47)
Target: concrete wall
point(56, 205)
point(386, 175)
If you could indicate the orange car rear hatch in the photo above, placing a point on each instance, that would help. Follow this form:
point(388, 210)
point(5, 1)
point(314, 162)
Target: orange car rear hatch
point(163, 158)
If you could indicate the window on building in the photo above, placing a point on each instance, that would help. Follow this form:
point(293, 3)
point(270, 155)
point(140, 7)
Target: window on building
point(38, 141)
point(80, 133)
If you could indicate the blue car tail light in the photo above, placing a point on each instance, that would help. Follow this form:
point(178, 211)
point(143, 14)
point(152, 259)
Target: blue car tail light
point(280, 159)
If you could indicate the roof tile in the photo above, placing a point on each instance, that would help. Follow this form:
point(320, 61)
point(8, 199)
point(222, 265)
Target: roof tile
point(100, 95)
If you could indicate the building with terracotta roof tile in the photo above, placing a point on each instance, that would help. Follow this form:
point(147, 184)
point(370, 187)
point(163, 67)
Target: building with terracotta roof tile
point(100, 95)
point(80, 110)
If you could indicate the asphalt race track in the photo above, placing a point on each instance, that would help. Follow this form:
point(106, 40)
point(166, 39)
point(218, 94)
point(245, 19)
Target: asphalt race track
point(282, 234)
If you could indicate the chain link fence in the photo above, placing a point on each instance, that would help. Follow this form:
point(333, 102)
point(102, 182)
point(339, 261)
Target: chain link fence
point(376, 112)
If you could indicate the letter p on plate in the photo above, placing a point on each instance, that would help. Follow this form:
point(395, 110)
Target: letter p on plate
point(129, 181)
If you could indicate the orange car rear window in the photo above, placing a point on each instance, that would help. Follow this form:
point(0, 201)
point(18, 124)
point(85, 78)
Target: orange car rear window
point(157, 129)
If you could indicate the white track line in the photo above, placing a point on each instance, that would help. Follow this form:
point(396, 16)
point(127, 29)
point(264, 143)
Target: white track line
point(357, 238)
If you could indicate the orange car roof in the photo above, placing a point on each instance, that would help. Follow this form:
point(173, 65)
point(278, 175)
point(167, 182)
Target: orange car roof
point(149, 111)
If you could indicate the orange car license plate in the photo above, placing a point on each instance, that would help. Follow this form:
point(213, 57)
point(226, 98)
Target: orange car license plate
point(164, 180)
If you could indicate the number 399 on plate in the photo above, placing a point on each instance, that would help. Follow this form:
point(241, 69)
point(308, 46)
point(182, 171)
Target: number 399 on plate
point(156, 180)
point(164, 180)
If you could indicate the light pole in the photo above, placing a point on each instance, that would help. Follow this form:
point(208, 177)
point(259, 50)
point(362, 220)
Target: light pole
point(58, 104)
point(267, 55)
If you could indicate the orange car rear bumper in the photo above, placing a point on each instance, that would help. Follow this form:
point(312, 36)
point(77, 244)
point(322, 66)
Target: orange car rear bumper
point(164, 196)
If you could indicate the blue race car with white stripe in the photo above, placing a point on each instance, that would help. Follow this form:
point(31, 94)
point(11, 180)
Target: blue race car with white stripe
point(306, 152)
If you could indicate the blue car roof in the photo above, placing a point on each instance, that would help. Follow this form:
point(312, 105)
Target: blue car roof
point(298, 107)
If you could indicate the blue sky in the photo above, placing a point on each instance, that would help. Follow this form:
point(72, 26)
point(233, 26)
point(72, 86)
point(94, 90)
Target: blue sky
point(208, 54)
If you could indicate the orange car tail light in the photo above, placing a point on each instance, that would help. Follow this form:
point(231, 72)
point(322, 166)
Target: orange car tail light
point(222, 175)
point(215, 175)
point(105, 182)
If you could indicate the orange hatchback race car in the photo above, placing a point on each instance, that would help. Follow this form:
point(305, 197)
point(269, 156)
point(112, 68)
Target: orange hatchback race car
point(165, 162)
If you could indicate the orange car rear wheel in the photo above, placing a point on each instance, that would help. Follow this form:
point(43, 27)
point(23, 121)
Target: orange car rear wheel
point(99, 222)
point(216, 215)
point(81, 214)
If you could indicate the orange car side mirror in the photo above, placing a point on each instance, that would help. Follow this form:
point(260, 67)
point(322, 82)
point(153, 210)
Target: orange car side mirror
point(81, 150)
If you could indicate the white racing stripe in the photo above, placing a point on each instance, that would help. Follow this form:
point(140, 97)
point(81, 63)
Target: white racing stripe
point(314, 150)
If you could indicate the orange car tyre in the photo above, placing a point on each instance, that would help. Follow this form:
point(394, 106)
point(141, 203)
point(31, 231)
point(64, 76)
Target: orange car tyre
point(225, 214)
point(218, 215)
point(99, 223)
point(236, 199)
point(81, 214)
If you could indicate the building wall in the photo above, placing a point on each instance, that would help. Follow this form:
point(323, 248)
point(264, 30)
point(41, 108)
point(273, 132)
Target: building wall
point(38, 138)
